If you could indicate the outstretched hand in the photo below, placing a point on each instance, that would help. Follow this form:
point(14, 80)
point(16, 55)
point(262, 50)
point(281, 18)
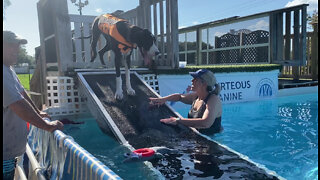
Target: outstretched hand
point(156, 101)
point(171, 120)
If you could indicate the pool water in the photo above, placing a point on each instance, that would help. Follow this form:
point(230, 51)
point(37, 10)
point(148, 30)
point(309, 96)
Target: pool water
point(106, 149)
point(280, 133)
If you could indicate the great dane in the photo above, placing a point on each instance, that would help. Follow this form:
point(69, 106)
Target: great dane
point(121, 38)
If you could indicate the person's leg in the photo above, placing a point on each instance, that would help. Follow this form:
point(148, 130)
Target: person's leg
point(9, 167)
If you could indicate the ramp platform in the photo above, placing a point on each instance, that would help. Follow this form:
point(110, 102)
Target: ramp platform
point(133, 121)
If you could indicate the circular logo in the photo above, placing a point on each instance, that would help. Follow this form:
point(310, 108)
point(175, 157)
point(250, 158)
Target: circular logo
point(265, 88)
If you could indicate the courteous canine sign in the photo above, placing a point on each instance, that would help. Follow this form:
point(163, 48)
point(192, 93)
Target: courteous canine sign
point(235, 87)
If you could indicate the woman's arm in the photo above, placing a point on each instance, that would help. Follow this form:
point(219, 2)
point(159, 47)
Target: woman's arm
point(188, 98)
point(210, 114)
point(185, 98)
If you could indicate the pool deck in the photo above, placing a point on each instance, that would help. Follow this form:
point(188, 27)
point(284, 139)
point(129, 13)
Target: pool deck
point(290, 83)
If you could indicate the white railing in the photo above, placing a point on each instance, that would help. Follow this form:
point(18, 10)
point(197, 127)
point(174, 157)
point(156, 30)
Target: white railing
point(35, 172)
point(81, 47)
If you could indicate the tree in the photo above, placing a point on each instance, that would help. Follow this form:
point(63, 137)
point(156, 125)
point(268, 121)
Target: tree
point(6, 4)
point(313, 19)
point(23, 57)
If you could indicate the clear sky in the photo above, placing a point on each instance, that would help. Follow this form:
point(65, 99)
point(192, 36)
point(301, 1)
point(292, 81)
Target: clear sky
point(21, 15)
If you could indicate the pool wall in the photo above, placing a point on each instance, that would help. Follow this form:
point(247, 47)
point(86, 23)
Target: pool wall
point(297, 91)
point(61, 157)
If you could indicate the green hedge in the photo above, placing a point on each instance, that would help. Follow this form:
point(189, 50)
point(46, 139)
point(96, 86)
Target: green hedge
point(213, 68)
point(222, 68)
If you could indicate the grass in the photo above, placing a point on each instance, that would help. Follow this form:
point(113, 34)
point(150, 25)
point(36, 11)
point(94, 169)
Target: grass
point(24, 79)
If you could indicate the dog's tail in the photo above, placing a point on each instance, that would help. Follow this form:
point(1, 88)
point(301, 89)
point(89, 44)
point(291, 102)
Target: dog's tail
point(83, 37)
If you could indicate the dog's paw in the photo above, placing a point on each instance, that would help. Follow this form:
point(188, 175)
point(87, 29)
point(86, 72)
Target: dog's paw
point(119, 95)
point(131, 92)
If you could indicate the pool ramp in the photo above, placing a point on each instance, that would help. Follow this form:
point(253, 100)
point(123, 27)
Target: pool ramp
point(133, 122)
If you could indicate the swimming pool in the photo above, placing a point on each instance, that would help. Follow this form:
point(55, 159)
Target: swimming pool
point(280, 133)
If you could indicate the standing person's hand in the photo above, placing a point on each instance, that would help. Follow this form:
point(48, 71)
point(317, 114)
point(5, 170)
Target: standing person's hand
point(54, 125)
point(157, 101)
point(44, 115)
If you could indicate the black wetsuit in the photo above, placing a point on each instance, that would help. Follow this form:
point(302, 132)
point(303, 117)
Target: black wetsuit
point(215, 127)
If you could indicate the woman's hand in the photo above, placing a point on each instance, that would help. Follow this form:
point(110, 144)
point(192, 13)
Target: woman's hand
point(157, 101)
point(171, 120)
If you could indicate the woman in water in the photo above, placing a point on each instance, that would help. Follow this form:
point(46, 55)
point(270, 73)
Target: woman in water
point(206, 110)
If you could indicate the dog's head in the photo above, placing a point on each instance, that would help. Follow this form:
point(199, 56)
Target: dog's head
point(146, 43)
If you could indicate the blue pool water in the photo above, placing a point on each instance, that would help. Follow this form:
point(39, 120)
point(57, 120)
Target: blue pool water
point(281, 133)
point(106, 149)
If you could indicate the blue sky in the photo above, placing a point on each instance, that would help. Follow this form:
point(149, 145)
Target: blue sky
point(21, 16)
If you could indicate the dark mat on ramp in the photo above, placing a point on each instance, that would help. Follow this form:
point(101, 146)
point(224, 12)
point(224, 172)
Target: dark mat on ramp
point(140, 125)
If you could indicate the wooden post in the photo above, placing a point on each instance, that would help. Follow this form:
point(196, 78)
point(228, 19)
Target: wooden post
point(199, 43)
point(296, 44)
point(174, 33)
point(287, 45)
point(273, 37)
point(314, 52)
point(141, 14)
point(42, 56)
point(279, 34)
point(62, 35)
point(168, 34)
point(162, 49)
point(155, 28)
point(155, 22)
point(217, 58)
point(303, 36)
point(148, 15)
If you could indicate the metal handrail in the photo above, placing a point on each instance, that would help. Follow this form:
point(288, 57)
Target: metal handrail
point(19, 170)
point(34, 163)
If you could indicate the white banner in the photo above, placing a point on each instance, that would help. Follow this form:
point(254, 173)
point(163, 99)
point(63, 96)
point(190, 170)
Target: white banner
point(235, 87)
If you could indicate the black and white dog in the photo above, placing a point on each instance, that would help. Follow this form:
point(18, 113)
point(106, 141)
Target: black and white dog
point(121, 38)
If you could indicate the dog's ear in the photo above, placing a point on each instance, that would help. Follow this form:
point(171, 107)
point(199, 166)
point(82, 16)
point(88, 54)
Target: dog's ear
point(146, 32)
point(137, 35)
